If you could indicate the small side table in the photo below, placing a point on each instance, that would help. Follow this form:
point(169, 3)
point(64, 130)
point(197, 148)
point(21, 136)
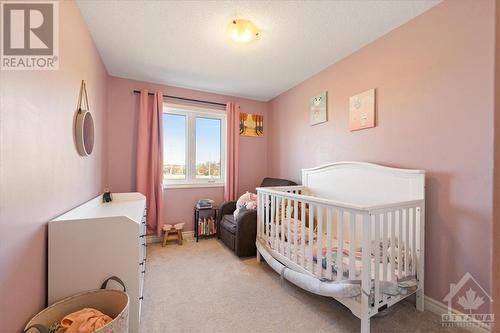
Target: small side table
point(205, 214)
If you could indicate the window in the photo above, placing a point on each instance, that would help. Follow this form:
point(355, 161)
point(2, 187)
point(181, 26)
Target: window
point(208, 148)
point(174, 146)
point(193, 147)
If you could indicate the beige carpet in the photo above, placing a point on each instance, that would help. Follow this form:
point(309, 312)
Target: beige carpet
point(203, 287)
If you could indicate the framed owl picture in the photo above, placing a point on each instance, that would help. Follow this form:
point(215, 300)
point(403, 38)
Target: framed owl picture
point(318, 112)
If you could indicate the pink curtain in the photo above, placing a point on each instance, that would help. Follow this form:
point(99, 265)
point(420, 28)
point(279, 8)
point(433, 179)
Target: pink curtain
point(149, 174)
point(233, 151)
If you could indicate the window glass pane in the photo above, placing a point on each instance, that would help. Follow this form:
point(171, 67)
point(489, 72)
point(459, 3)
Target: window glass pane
point(208, 148)
point(174, 146)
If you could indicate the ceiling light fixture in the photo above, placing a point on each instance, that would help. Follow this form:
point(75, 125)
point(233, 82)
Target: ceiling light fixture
point(243, 31)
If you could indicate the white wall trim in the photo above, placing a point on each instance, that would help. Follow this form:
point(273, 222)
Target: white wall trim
point(439, 308)
point(187, 235)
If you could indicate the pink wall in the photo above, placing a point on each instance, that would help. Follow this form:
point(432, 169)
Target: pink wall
point(120, 137)
point(495, 268)
point(41, 174)
point(434, 80)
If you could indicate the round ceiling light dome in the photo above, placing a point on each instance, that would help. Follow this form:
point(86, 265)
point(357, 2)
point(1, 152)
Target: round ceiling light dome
point(243, 31)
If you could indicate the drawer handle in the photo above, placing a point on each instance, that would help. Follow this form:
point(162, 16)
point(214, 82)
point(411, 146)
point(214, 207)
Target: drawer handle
point(141, 263)
point(143, 272)
point(142, 236)
point(141, 298)
point(144, 244)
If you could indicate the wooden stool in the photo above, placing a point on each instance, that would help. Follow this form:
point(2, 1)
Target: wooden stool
point(173, 230)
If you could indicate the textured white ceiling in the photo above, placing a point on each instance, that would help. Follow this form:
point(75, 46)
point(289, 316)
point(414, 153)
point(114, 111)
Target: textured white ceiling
point(185, 44)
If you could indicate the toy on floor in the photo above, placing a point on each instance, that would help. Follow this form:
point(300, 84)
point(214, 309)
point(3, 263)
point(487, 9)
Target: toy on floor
point(173, 229)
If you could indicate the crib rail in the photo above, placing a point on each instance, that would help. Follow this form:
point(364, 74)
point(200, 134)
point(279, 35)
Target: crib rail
point(339, 241)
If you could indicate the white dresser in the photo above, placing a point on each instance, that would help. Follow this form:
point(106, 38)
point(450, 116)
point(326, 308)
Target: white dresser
point(95, 241)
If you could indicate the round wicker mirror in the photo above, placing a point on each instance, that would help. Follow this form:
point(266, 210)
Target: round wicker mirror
point(84, 124)
point(84, 133)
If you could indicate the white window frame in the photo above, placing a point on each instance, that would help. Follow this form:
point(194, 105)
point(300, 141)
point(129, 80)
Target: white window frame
point(191, 113)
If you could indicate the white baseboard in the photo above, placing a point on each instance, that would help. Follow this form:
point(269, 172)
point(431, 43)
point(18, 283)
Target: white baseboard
point(439, 308)
point(187, 235)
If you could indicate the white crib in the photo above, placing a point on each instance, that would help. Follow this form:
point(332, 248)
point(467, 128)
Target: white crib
point(353, 231)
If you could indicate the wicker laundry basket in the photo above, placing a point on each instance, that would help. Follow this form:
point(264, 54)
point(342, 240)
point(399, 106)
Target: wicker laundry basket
point(114, 303)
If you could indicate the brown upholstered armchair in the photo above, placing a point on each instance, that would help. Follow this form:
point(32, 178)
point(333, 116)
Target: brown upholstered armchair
point(239, 234)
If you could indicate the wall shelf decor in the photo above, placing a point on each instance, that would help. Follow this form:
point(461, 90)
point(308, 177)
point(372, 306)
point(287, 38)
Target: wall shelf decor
point(84, 124)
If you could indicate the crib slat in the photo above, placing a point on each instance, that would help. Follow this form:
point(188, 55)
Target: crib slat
point(277, 225)
point(420, 250)
point(282, 239)
point(303, 232)
point(263, 230)
point(260, 214)
point(265, 205)
point(407, 241)
point(288, 213)
point(392, 218)
point(265, 210)
point(385, 252)
point(329, 223)
point(366, 255)
point(376, 267)
point(271, 231)
point(383, 220)
point(352, 246)
point(400, 242)
point(413, 242)
point(295, 231)
point(340, 244)
point(311, 237)
point(319, 245)
point(264, 224)
point(269, 215)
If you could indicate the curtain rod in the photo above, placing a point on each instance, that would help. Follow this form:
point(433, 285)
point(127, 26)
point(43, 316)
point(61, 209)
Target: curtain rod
point(185, 99)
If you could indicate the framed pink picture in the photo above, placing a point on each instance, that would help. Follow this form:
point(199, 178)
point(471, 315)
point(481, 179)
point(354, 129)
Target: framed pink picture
point(362, 110)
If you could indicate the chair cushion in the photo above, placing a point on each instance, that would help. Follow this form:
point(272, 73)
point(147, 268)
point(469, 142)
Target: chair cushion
point(228, 223)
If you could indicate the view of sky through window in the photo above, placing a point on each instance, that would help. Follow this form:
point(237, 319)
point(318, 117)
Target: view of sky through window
point(206, 156)
point(174, 146)
point(208, 147)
